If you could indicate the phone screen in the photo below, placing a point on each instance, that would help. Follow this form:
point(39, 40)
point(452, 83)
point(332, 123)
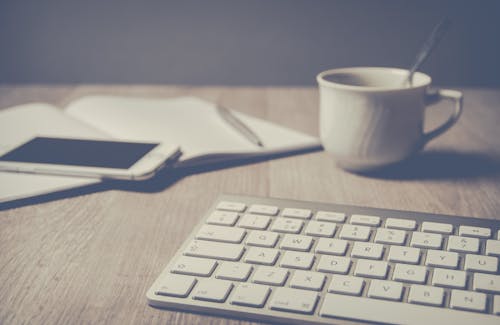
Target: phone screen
point(76, 152)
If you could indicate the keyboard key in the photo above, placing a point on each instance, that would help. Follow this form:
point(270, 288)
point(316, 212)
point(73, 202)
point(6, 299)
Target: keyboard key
point(269, 210)
point(346, 284)
point(437, 227)
point(481, 263)
point(294, 300)
point(176, 285)
point(307, 280)
point(222, 251)
point(354, 232)
point(463, 244)
point(331, 246)
point(233, 271)
point(390, 236)
point(296, 260)
point(334, 264)
point(250, 295)
point(223, 218)
point(221, 233)
point(231, 206)
point(486, 283)
point(253, 221)
point(468, 300)
point(384, 289)
point(403, 254)
point(296, 213)
point(320, 229)
point(260, 255)
point(367, 250)
point(442, 259)
point(426, 295)
point(496, 305)
point(493, 247)
point(270, 275)
point(426, 240)
point(296, 243)
point(364, 220)
point(410, 273)
point(262, 238)
point(330, 216)
point(394, 312)
point(449, 278)
point(478, 232)
point(194, 266)
point(371, 269)
point(287, 225)
point(402, 224)
point(212, 290)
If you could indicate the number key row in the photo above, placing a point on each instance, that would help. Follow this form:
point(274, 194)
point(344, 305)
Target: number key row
point(356, 219)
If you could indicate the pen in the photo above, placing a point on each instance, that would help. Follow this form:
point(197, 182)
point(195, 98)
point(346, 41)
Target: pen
point(236, 123)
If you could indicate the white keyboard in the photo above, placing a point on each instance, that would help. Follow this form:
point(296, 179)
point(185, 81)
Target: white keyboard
point(302, 262)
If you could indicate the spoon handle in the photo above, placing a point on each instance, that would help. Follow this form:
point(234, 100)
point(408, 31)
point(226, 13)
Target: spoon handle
point(434, 37)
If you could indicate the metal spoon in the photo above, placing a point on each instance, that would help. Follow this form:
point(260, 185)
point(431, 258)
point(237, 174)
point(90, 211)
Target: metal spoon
point(434, 37)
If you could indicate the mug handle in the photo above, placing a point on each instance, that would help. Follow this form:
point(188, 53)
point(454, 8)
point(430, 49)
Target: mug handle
point(436, 96)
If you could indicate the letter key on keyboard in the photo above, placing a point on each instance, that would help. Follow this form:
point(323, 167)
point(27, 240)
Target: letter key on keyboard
point(277, 260)
point(233, 271)
point(262, 238)
point(270, 275)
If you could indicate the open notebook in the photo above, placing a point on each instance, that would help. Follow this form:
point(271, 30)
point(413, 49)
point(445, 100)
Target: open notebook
point(193, 124)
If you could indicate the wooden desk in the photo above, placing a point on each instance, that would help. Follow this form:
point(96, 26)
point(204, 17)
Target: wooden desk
point(91, 258)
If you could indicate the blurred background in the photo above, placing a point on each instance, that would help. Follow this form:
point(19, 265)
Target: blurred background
point(246, 42)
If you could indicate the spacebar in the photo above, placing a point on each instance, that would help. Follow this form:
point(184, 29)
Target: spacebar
point(382, 311)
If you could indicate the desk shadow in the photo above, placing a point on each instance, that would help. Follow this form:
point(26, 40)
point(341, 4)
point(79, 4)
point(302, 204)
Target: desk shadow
point(54, 196)
point(439, 165)
point(162, 180)
point(167, 177)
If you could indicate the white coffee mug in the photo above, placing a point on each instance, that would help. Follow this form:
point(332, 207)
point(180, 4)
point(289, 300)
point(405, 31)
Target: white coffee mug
point(369, 118)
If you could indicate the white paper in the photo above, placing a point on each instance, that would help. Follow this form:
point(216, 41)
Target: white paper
point(189, 122)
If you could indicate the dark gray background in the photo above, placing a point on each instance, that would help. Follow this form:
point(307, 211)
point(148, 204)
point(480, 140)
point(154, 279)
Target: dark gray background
point(230, 42)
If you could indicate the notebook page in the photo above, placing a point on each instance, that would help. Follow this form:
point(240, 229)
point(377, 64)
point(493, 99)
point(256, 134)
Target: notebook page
point(277, 137)
point(189, 122)
point(21, 123)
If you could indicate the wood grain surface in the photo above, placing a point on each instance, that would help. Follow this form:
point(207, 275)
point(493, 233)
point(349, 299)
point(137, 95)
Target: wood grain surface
point(90, 256)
